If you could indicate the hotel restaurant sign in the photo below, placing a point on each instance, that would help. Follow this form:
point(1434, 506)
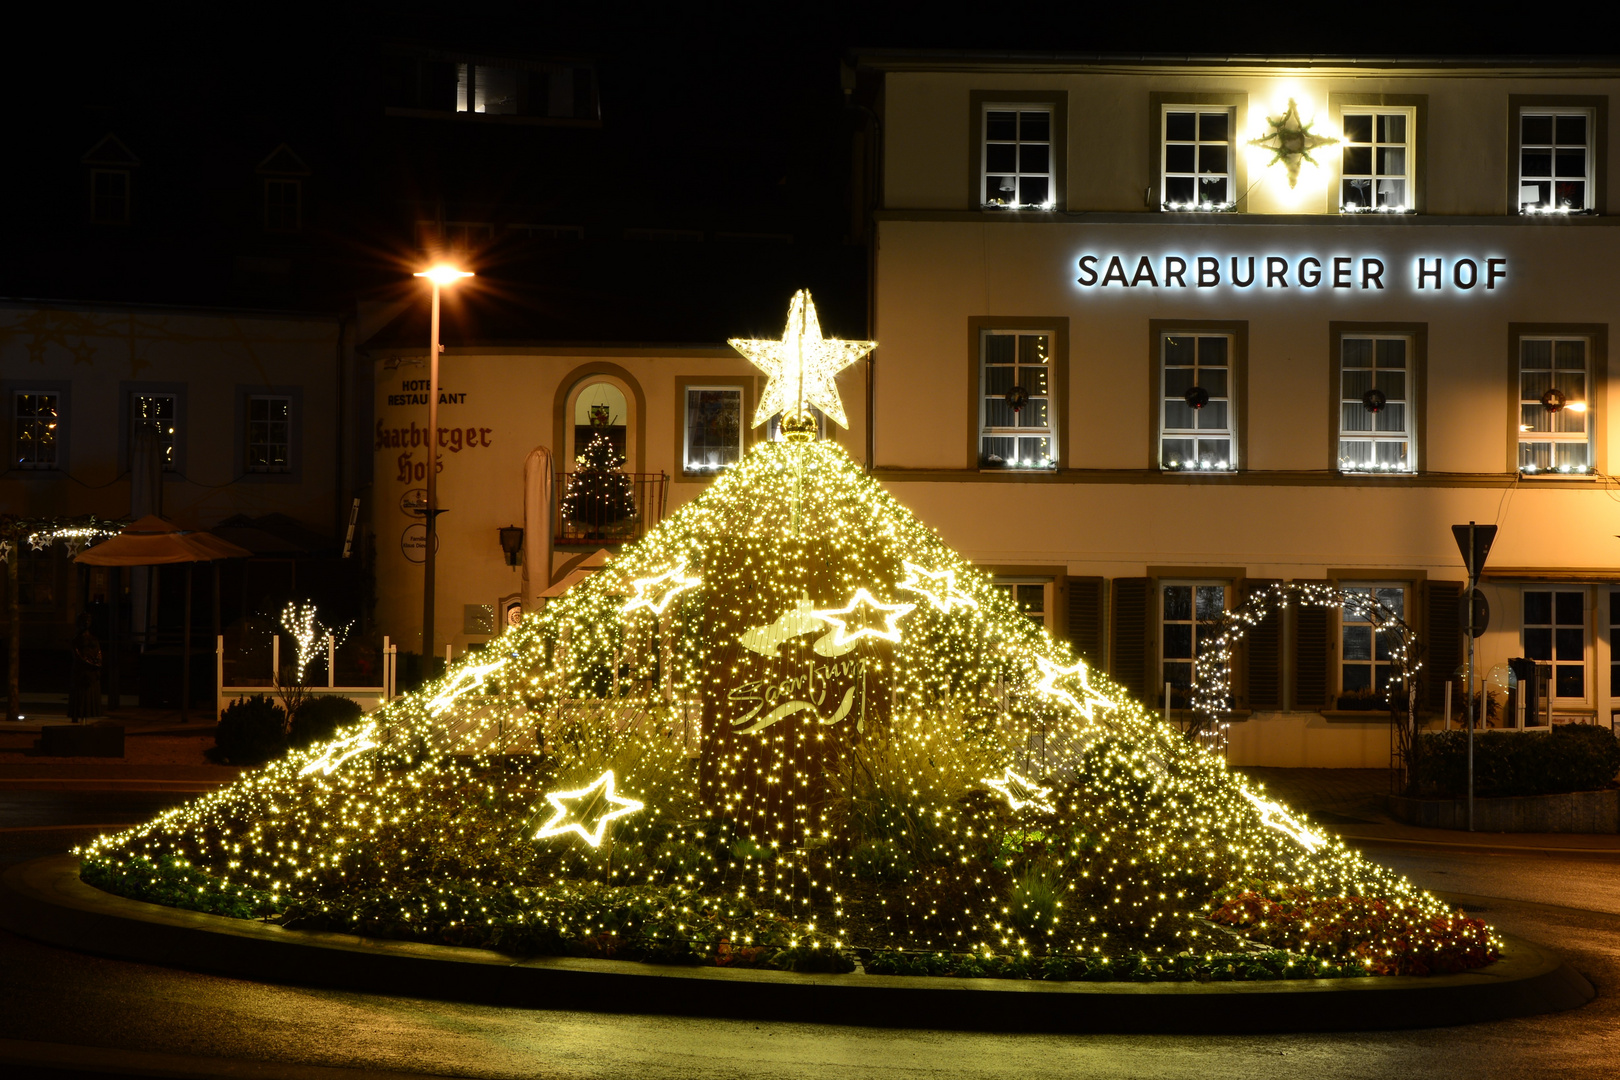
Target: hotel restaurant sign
point(1295, 273)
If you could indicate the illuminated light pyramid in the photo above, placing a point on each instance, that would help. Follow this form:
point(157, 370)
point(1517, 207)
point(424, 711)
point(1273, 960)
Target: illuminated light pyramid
point(790, 708)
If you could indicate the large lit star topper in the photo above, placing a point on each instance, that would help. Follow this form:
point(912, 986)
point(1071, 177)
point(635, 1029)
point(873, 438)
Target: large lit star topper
point(574, 809)
point(801, 366)
point(938, 587)
point(1020, 792)
point(655, 593)
point(1078, 677)
point(864, 616)
point(1291, 141)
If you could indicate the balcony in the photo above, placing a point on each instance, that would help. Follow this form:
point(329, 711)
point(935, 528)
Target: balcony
point(604, 508)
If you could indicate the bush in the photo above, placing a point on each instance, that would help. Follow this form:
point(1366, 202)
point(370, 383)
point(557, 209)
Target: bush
point(251, 731)
point(317, 719)
point(880, 860)
point(1034, 904)
point(1570, 757)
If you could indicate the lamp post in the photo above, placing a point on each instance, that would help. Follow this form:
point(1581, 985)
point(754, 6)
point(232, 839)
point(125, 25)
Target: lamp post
point(439, 277)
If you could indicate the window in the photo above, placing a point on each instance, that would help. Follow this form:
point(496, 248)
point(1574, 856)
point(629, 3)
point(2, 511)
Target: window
point(714, 427)
point(1555, 423)
point(1555, 161)
point(283, 206)
point(1032, 596)
point(458, 236)
point(1197, 159)
point(1196, 413)
point(36, 429)
point(773, 427)
point(1017, 424)
point(1614, 640)
point(1191, 621)
point(1555, 637)
point(511, 90)
point(109, 196)
point(157, 411)
point(680, 236)
point(1367, 661)
point(1375, 417)
point(1018, 158)
point(269, 434)
point(1377, 162)
point(541, 233)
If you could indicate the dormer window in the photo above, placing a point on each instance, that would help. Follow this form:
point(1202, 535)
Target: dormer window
point(284, 173)
point(112, 166)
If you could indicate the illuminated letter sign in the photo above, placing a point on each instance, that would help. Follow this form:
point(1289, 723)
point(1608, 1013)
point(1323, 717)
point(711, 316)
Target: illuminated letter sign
point(1428, 275)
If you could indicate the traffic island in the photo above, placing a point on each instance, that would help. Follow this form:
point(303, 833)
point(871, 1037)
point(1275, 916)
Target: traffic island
point(45, 900)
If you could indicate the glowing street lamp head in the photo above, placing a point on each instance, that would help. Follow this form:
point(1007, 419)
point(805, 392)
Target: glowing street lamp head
point(443, 274)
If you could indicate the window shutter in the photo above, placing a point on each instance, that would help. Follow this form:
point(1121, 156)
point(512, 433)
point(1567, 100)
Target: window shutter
point(1086, 618)
point(1442, 638)
point(1264, 655)
point(1311, 659)
point(1133, 608)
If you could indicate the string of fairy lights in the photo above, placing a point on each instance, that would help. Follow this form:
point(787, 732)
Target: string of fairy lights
point(790, 694)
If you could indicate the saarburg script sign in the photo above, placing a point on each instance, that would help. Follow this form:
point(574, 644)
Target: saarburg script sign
point(1431, 275)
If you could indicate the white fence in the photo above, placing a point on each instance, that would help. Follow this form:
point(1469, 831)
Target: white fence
point(369, 697)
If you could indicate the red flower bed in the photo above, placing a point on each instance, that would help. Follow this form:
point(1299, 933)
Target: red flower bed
point(1383, 937)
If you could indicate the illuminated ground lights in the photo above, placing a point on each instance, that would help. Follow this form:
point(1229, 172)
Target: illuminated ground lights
point(774, 742)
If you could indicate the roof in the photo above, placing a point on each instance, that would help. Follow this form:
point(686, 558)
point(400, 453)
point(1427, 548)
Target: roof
point(1505, 66)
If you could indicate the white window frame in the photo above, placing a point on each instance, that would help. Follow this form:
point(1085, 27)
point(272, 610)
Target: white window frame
point(167, 439)
point(1377, 176)
point(1167, 432)
point(32, 422)
point(702, 468)
point(249, 442)
point(1588, 694)
point(1589, 193)
point(96, 216)
point(1406, 436)
point(1348, 621)
point(1166, 174)
point(1159, 614)
point(1018, 142)
point(1531, 408)
point(273, 209)
point(1012, 584)
point(1018, 433)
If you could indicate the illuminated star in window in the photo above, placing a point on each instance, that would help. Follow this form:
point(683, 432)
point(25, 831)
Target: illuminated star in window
point(1291, 141)
point(468, 677)
point(801, 366)
point(1274, 815)
point(576, 808)
point(1020, 792)
point(39, 541)
point(864, 617)
point(337, 752)
point(1078, 677)
point(657, 591)
point(937, 586)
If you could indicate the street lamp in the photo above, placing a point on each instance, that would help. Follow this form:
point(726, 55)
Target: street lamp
point(440, 276)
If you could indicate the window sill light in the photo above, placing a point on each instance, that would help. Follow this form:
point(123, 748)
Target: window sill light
point(1354, 208)
point(1560, 211)
point(1556, 470)
point(1197, 466)
point(1381, 468)
point(997, 204)
point(998, 464)
point(1198, 207)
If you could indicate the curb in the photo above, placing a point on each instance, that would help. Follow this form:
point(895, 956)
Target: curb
point(45, 900)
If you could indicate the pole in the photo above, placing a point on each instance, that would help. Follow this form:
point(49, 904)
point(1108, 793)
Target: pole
point(1468, 696)
point(331, 660)
point(185, 654)
point(428, 559)
point(14, 634)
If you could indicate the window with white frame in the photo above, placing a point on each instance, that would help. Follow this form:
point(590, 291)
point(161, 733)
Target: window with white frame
point(109, 196)
point(1614, 641)
point(1377, 161)
point(1555, 161)
point(1190, 621)
point(1197, 159)
point(1017, 423)
point(1555, 637)
point(1017, 158)
point(158, 412)
point(1030, 595)
point(283, 205)
point(36, 429)
point(773, 427)
point(1375, 414)
point(714, 428)
point(269, 433)
point(1196, 412)
point(453, 236)
point(1368, 646)
point(1555, 420)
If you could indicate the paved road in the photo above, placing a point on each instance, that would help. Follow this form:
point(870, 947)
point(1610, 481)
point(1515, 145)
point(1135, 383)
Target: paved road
point(168, 1022)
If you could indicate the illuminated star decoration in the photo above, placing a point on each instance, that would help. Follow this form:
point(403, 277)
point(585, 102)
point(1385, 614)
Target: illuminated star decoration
point(1291, 141)
point(1020, 792)
point(864, 613)
point(469, 676)
point(1273, 814)
point(801, 366)
point(937, 586)
point(1088, 700)
point(337, 752)
point(5, 550)
point(39, 541)
point(573, 807)
point(655, 593)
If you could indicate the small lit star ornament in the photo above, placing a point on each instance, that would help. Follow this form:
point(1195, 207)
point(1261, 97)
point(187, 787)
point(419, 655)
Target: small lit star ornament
point(864, 617)
point(938, 587)
point(655, 593)
point(467, 678)
point(1291, 141)
point(1273, 814)
point(573, 808)
point(39, 541)
point(801, 366)
point(1086, 704)
point(1020, 792)
point(336, 753)
point(5, 550)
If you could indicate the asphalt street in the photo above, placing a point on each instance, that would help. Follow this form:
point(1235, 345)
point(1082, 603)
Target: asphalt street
point(64, 1013)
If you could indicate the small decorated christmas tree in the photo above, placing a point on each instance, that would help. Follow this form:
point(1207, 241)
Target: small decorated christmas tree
point(600, 496)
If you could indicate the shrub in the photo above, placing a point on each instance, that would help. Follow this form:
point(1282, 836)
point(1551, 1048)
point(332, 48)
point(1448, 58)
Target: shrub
point(251, 731)
point(1570, 757)
point(317, 720)
point(880, 860)
point(1034, 903)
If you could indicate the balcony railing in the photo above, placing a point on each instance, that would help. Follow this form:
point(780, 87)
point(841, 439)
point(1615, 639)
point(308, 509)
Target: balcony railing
point(607, 507)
